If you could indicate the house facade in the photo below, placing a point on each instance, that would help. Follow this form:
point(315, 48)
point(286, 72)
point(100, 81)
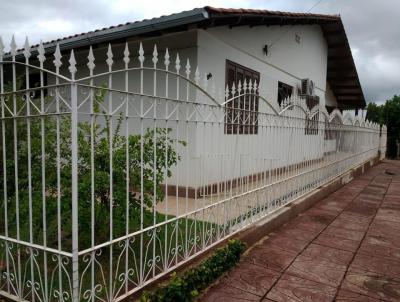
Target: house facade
point(130, 150)
point(278, 51)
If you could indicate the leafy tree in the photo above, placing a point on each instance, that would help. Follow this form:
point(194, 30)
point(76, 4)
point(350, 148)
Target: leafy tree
point(374, 113)
point(388, 114)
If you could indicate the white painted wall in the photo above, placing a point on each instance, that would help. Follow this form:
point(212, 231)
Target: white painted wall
point(330, 99)
point(287, 61)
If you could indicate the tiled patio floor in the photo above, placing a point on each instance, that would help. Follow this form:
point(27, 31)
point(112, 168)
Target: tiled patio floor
point(345, 248)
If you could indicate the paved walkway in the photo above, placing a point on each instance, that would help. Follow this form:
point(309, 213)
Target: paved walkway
point(345, 248)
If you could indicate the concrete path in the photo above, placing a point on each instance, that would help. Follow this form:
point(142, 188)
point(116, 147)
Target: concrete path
point(345, 248)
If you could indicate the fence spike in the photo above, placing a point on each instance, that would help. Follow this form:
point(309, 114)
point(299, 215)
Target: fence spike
point(197, 76)
point(126, 54)
point(13, 47)
point(227, 91)
point(110, 56)
point(141, 54)
point(187, 68)
point(166, 59)
point(27, 49)
point(91, 59)
point(155, 56)
point(1, 47)
point(41, 52)
point(177, 63)
point(57, 57)
point(72, 63)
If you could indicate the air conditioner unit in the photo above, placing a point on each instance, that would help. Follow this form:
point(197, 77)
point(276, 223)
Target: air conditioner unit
point(307, 92)
point(307, 87)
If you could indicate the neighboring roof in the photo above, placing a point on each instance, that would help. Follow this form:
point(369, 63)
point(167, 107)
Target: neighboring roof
point(341, 74)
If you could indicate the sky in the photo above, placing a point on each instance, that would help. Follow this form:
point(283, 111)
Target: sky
point(372, 26)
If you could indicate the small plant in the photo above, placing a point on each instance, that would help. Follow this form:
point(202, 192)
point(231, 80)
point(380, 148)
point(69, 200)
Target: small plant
point(186, 287)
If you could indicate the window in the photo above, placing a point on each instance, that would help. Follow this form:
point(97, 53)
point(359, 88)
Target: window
point(284, 91)
point(241, 114)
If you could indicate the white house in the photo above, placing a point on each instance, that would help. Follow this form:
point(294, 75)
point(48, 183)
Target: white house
point(284, 53)
point(260, 98)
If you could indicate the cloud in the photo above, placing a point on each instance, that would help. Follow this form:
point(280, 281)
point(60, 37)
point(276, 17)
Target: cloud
point(373, 27)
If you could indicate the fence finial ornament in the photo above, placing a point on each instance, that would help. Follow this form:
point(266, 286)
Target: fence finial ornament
point(41, 52)
point(110, 56)
point(166, 59)
point(126, 54)
point(177, 63)
point(1, 47)
point(13, 47)
point(57, 57)
point(141, 54)
point(155, 56)
point(72, 63)
point(187, 68)
point(91, 59)
point(27, 49)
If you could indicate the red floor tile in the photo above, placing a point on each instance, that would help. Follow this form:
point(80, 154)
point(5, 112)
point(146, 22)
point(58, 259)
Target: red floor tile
point(378, 265)
point(317, 269)
point(337, 242)
point(388, 215)
point(333, 255)
point(372, 285)
point(348, 296)
point(290, 288)
point(225, 293)
point(270, 257)
point(374, 249)
point(344, 233)
point(286, 243)
point(251, 278)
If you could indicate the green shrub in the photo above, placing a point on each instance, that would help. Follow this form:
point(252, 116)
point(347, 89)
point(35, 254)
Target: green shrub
point(186, 287)
point(150, 156)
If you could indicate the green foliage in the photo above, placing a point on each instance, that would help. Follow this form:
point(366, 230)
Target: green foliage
point(151, 156)
point(388, 114)
point(375, 113)
point(185, 288)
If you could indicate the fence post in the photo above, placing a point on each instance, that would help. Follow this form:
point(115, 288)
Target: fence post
point(74, 179)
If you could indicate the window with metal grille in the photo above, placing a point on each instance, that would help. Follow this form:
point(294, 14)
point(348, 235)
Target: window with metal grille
point(241, 113)
point(284, 91)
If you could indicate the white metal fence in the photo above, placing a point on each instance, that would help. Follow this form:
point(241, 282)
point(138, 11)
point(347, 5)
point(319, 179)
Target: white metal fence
point(114, 178)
